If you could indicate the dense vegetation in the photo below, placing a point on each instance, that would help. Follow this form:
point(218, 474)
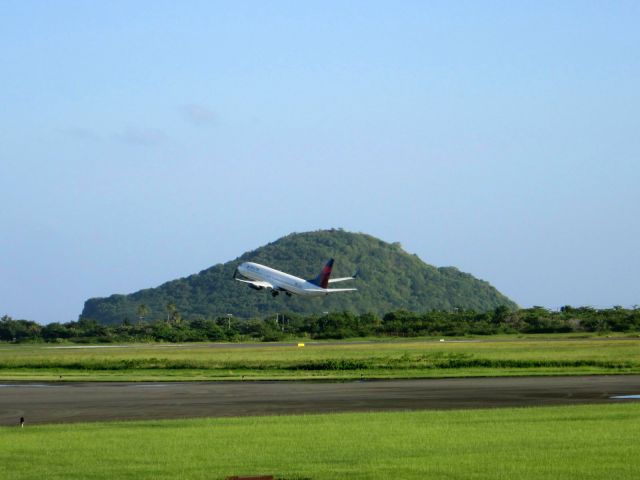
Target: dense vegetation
point(389, 279)
point(332, 325)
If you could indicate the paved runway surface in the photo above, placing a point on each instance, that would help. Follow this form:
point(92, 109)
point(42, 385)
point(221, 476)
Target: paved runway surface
point(94, 401)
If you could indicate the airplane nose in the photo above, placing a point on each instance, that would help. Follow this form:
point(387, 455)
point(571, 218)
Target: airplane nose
point(239, 270)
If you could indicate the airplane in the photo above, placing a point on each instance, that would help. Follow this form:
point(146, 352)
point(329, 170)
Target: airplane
point(260, 276)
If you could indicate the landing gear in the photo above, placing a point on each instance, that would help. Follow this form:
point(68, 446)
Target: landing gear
point(288, 294)
point(274, 293)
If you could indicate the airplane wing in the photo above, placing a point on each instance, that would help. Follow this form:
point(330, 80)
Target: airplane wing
point(342, 279)
point(331, 290)
point(257, 284)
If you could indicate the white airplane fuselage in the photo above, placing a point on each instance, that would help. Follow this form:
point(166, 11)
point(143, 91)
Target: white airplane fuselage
point(281, 280)
point(260, 277)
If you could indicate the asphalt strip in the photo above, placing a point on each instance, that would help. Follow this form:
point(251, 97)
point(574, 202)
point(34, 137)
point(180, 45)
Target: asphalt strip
point(107, 401)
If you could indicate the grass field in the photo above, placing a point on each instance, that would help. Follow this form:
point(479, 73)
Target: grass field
point(583, 442)
point(397, 359)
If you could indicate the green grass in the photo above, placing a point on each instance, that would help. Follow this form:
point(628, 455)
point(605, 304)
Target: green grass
point(581, 442)
point(397, 359)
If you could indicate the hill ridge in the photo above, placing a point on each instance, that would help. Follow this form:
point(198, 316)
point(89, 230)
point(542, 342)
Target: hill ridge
point(389, 279)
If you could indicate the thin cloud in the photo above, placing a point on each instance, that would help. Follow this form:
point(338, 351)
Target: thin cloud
point(145, 137)
point(81, 133)
point(198, 114)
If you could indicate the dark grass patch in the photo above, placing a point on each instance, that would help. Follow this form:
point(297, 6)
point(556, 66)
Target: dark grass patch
point(404, 362)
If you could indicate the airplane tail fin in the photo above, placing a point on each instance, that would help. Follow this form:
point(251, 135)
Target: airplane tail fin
point(322, 280)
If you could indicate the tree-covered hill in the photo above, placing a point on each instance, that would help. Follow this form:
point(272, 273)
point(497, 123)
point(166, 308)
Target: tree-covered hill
point(388, 279)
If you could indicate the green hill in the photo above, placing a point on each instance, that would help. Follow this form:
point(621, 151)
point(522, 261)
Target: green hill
point(389, 279)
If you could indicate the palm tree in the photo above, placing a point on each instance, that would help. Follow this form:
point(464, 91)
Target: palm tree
point(171, 311)
point(143, 311)
point(173, 315)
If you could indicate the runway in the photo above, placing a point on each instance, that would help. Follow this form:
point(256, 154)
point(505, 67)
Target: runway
point(95, 401)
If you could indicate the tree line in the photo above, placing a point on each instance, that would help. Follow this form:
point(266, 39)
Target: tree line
point(330, 325)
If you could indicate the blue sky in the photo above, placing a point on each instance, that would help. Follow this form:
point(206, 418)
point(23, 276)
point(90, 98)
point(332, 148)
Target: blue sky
point(145, 141)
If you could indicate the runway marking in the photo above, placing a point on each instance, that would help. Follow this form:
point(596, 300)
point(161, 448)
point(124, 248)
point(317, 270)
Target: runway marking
point(163, 385)
point(116, 346)
point(29, 385)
